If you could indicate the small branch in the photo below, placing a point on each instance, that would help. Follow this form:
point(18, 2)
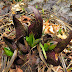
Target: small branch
point(25, 64)
point(63, 62)
point(11, 61)
point(41, 55)
point(69, 65)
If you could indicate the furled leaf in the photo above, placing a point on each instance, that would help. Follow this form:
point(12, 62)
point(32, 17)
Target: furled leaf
point(43, 50)
point(63, 43)
point(8, 52)
point(51, 59)
point(20, 29)
point(37, 26)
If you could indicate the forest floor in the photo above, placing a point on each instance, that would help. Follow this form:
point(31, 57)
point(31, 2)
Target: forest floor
point(50, 10)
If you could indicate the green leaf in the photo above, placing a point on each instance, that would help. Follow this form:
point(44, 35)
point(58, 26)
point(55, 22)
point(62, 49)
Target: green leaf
point(23, 9)
point(43, 50)
point(30, 39)
point(46, 19)
point(46, 46)
point(43, 11)
point(36, 42)
point(7, 48)
point(59, 31)
point(52, 45)
point(36, 6)
point(8, 30)
point(8, 52)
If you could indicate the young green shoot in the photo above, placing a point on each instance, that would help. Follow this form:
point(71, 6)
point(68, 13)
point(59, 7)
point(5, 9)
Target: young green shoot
point(36, 6)
point(43, 50)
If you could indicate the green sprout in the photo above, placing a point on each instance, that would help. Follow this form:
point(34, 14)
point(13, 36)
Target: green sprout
point(36, 6)
point(43, 50)
point(18, 0)
point(42, 10)
point(8, 30)
point(50, 45)
point(7, 51)
point(23, 9)
point(31, 40)
point(59, 31)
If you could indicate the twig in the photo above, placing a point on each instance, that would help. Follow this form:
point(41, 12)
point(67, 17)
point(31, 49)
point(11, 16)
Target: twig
point(30, 68)
point(2, 60)
point(11, 61)
point(41, 56)
point(38, 68)
point(69, 65)
point(32, 49)
point(63, 62)
point(57, 69)
point(60, 21)
point(25, 63)
point(43, 68)
point(5, 60)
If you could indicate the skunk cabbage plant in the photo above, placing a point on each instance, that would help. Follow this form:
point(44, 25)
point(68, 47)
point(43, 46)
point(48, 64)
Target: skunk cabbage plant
point(31, 40)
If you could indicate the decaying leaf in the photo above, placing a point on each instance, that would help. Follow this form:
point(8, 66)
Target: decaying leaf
point(25, 19)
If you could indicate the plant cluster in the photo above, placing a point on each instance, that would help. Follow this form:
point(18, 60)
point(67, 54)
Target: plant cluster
point(32, 37)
